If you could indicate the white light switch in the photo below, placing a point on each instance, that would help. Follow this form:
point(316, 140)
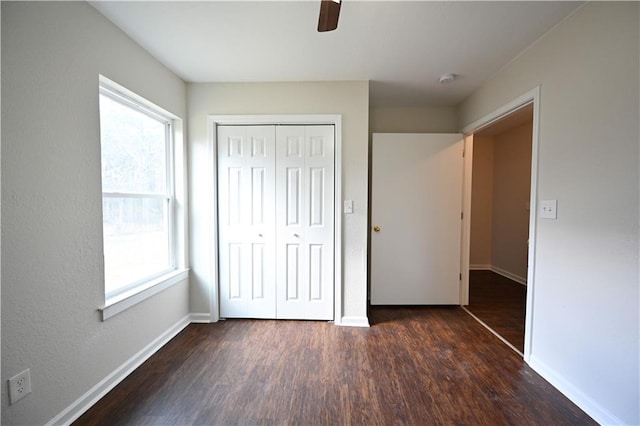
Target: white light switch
point(548, 209)
point(348, 206)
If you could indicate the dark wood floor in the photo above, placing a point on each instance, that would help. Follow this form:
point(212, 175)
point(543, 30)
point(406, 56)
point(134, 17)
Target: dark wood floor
point(500, 303)
point(414, 366)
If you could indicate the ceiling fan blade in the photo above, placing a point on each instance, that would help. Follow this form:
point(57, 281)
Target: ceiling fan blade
point(329, 13)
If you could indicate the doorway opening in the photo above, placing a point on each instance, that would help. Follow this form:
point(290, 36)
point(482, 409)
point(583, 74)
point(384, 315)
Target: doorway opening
point(499, 232)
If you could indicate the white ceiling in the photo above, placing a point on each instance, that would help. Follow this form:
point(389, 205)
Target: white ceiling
point(401, 47)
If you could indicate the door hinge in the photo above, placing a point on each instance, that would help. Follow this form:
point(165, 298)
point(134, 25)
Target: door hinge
point(461, 215)
point(460, 275)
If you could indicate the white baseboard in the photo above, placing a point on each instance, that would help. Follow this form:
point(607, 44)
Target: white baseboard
point(480, 267)
point(507, 274)
point(86, 401)
point(499, 271)
point(586, 404)
point(354, 322)
point(201, 318)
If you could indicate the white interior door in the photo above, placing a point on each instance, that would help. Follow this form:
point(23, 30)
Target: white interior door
point(246, 216)
point(416, 200)
point(305, 221)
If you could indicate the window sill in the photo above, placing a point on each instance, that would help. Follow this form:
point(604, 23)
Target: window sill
point(126, 300)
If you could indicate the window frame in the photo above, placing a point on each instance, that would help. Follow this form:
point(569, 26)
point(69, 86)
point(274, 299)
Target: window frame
point(139, 290)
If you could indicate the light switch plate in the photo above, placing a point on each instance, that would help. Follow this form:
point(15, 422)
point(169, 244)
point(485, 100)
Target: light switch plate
point(348, 206)
point(549, 209)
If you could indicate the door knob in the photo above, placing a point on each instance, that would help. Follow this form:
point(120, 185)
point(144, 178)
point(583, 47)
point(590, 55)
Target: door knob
point(376, 228)
point(260, 235)
point(296, 235)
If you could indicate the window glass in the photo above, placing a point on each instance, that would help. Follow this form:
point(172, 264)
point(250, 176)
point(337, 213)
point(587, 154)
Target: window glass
point(136, 197)
point(134, 157)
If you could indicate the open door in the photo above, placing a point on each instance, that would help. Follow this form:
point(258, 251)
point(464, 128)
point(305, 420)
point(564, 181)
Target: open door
point(416, 206)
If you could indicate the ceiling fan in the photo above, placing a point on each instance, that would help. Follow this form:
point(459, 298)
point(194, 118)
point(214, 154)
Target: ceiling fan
point(329, 12)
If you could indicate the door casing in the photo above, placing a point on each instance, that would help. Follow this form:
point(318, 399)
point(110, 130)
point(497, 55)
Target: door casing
point(212, 203)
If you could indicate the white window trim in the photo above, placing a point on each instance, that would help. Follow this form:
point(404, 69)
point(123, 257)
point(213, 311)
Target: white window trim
point(177, 213)
point(141, 293)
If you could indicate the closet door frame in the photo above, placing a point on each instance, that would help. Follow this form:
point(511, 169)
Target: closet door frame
point(212, 203)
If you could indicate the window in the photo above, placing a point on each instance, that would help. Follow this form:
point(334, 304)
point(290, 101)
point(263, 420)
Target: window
point(137, 193)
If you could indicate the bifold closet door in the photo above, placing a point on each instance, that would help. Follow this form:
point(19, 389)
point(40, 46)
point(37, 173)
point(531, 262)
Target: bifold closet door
point(305, 222)
point(276, 221)
point(246, 217)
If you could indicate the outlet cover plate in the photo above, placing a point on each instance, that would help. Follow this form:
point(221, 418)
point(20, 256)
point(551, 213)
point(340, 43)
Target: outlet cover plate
point(19, 386)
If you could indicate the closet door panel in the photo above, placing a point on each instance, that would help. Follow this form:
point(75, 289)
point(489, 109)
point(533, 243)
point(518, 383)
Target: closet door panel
point(246, 190)
point(304, 206)
point(290, 212)
point(319, 221)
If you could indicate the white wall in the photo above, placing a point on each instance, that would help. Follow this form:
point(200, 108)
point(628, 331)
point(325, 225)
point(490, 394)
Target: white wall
point(511, 192)
point(52, 267)
point(481, 203)
point(585, 335)
point(413, 120)
point(351, 100)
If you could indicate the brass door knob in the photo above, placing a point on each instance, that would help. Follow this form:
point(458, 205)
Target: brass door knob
point(376, 228)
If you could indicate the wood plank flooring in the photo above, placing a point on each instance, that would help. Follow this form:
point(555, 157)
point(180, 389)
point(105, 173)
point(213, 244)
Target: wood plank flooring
point(414, 366)
point(500, 303)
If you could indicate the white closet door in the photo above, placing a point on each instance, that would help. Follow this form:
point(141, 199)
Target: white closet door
point(305, 221)
point(246, 194)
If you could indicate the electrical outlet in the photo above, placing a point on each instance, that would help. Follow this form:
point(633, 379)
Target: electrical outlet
point(19, 386)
